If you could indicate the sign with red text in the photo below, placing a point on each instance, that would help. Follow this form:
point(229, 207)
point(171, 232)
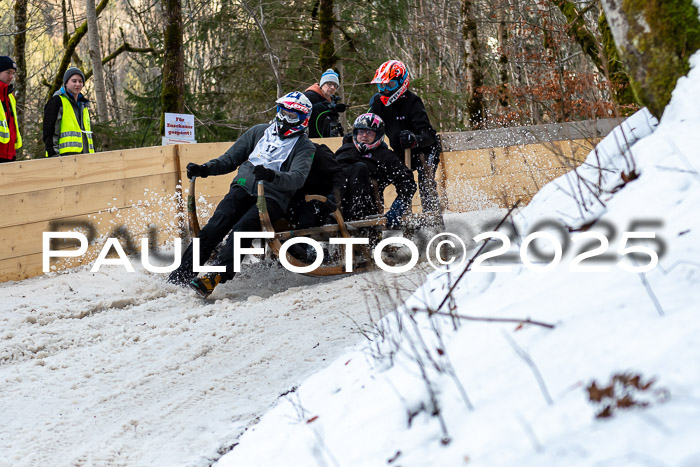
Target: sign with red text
point(179, 128)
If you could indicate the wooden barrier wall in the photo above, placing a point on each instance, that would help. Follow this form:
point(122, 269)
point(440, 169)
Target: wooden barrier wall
point(138, 190)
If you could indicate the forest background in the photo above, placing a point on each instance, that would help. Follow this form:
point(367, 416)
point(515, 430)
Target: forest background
point(476, 63)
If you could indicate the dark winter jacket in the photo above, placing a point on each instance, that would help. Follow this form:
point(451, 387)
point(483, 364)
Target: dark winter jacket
point(53, 113)
point(408, 113)
point(383, 166)
point(287, 181)
point(326, 173)
point(321, 113)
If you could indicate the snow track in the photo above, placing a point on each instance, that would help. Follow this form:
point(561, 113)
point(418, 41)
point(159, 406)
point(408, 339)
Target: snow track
point(113, 368)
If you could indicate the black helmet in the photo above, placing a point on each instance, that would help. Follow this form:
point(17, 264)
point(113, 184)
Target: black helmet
point(368, 121)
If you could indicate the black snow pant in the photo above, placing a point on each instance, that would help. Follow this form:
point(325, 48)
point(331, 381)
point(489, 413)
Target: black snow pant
point(237, 212)
point(358, 200)
point(303, 215)
point(429, 199)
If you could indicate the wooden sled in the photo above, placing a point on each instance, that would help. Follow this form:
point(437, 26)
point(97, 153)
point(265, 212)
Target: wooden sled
point(362, 257)
point(360, 260)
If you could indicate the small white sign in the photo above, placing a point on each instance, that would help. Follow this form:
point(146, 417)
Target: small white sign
point(179, 126)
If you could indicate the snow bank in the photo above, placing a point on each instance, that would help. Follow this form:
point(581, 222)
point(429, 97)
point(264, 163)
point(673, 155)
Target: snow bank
point(438, 391)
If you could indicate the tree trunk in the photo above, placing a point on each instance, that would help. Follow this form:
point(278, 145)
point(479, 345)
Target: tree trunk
point(326, 52)
point(173, 94)
point(655, 40)
point(96, 59)
point(502, 59)
point(603, 56)
point(473, 62)
point(19, 56)
point(70, 45)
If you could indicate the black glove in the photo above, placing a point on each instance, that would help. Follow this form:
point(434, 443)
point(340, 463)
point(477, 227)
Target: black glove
point(408, 139)
point(263, 173)
point(338, 107)
point(196, 170)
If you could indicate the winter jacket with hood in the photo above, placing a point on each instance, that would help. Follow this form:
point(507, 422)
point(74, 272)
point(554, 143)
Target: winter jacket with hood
point(408, 113)
point(53, 113)
point(288, 179)
point(383, 166)
point(321, 113)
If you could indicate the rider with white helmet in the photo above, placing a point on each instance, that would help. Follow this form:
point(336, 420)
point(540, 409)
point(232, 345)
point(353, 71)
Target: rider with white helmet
point(278, 154)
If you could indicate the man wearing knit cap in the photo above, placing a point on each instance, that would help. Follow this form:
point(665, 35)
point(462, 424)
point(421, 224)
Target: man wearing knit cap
point(10, 139)
point(67, 118)
point(324, 116)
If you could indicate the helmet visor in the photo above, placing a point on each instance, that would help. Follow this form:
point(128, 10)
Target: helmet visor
point(390, 86)
point(289, 116)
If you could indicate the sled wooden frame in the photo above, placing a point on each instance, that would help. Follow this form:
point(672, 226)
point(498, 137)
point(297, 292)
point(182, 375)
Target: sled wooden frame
point(342, 228)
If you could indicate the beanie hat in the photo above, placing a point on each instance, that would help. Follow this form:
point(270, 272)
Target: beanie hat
point(329, 76)
point(70, 72)
point(6, 63)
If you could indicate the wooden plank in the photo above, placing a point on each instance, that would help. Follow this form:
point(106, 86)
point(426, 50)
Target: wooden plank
point(533, 134)
point(469, 164)
point(26, 239)
point(17, 269)
point(201, 152)
point(470, 194)
point(22, 208)
point(82, 169)
point(332, 143)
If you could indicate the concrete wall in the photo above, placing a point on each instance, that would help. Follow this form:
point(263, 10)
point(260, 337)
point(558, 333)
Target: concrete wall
point(139, 190)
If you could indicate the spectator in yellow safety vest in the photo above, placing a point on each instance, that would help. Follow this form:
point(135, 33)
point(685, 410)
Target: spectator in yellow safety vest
point(67, 118)
point(10, 139)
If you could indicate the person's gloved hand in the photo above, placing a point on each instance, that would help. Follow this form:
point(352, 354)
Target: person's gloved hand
point(196, 170)
point(393, 215)
point(331, 202)
point(263, 173)
point(408, 139)
point(338, 107)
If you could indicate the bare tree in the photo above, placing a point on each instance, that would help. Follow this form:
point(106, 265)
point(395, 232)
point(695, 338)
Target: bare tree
point(20, 40)
point(172, 97)
point(326, 53)
point(70, 44)
point(96, 59)
point(473, 61)
point(655, 41)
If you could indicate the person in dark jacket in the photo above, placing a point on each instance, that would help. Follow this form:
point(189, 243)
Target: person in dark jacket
point(326, 178)
point(278, 154)
point(408, 126)
point(10, 138)
point(366, 156)
point(324, 116)
point(67, 118)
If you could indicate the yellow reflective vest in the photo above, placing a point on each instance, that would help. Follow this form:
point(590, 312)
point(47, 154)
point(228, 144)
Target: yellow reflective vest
point(70, 140)
point(5, 126)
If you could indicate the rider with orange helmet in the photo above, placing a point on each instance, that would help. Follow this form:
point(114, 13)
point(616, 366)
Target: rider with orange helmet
point(407, 126)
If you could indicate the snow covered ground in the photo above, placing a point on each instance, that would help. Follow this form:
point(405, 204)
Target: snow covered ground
point(448, 391)
point(114, 368)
